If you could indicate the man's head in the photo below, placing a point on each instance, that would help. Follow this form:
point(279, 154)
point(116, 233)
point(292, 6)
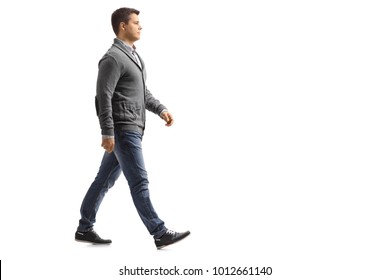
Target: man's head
point(126, 25)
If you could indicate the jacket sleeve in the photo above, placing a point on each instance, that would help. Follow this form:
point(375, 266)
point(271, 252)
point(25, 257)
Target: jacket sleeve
point(108, 76)
point(152, 104)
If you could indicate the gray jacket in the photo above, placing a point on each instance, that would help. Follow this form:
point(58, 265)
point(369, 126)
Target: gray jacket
point(121, 93)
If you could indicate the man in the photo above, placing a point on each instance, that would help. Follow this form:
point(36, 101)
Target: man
point(121, 100)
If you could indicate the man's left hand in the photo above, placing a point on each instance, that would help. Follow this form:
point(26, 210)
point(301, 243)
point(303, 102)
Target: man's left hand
point(167, 117)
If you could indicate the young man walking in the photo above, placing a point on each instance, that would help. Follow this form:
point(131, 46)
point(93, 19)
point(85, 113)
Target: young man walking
point(121, 100)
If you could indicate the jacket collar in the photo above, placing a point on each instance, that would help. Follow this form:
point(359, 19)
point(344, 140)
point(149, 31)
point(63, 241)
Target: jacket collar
point(126, 49)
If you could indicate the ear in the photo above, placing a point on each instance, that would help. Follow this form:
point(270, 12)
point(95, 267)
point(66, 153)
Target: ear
point(122, 26)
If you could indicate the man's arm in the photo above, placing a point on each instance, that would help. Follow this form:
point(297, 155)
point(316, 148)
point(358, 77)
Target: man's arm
point(155, 106)
point(152, 104)
point(108, 76)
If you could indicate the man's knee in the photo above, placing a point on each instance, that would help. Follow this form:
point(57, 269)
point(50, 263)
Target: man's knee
point(140, 185)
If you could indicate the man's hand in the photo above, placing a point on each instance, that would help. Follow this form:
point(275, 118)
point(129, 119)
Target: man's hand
point(108, 144)
point(167, 117)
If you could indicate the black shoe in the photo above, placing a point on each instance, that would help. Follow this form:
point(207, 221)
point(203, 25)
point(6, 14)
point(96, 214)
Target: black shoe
point(91, 237)
point(169, 238)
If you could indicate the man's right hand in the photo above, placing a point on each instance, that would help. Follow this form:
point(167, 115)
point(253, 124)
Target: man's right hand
point(108, 144)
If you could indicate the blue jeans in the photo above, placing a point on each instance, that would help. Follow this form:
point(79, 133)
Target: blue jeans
point(127, 157)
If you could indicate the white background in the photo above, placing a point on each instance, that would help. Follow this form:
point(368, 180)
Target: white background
point(279, 155)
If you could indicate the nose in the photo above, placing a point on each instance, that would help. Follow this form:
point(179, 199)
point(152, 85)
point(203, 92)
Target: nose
point(140, 27)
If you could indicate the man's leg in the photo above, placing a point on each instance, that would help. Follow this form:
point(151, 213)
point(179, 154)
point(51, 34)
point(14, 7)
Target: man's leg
point(128, 150)
point(109, 172)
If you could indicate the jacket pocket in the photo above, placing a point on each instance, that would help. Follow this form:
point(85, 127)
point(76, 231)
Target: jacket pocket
point(130, 112)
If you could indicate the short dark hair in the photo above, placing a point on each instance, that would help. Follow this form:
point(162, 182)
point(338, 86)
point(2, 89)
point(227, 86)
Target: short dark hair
point(121, 15)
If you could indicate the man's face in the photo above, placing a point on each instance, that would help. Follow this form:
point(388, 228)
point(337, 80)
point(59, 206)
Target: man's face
point(133, 29)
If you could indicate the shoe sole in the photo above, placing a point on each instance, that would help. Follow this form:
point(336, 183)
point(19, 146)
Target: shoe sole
point(163, 246)
point(91, 242)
